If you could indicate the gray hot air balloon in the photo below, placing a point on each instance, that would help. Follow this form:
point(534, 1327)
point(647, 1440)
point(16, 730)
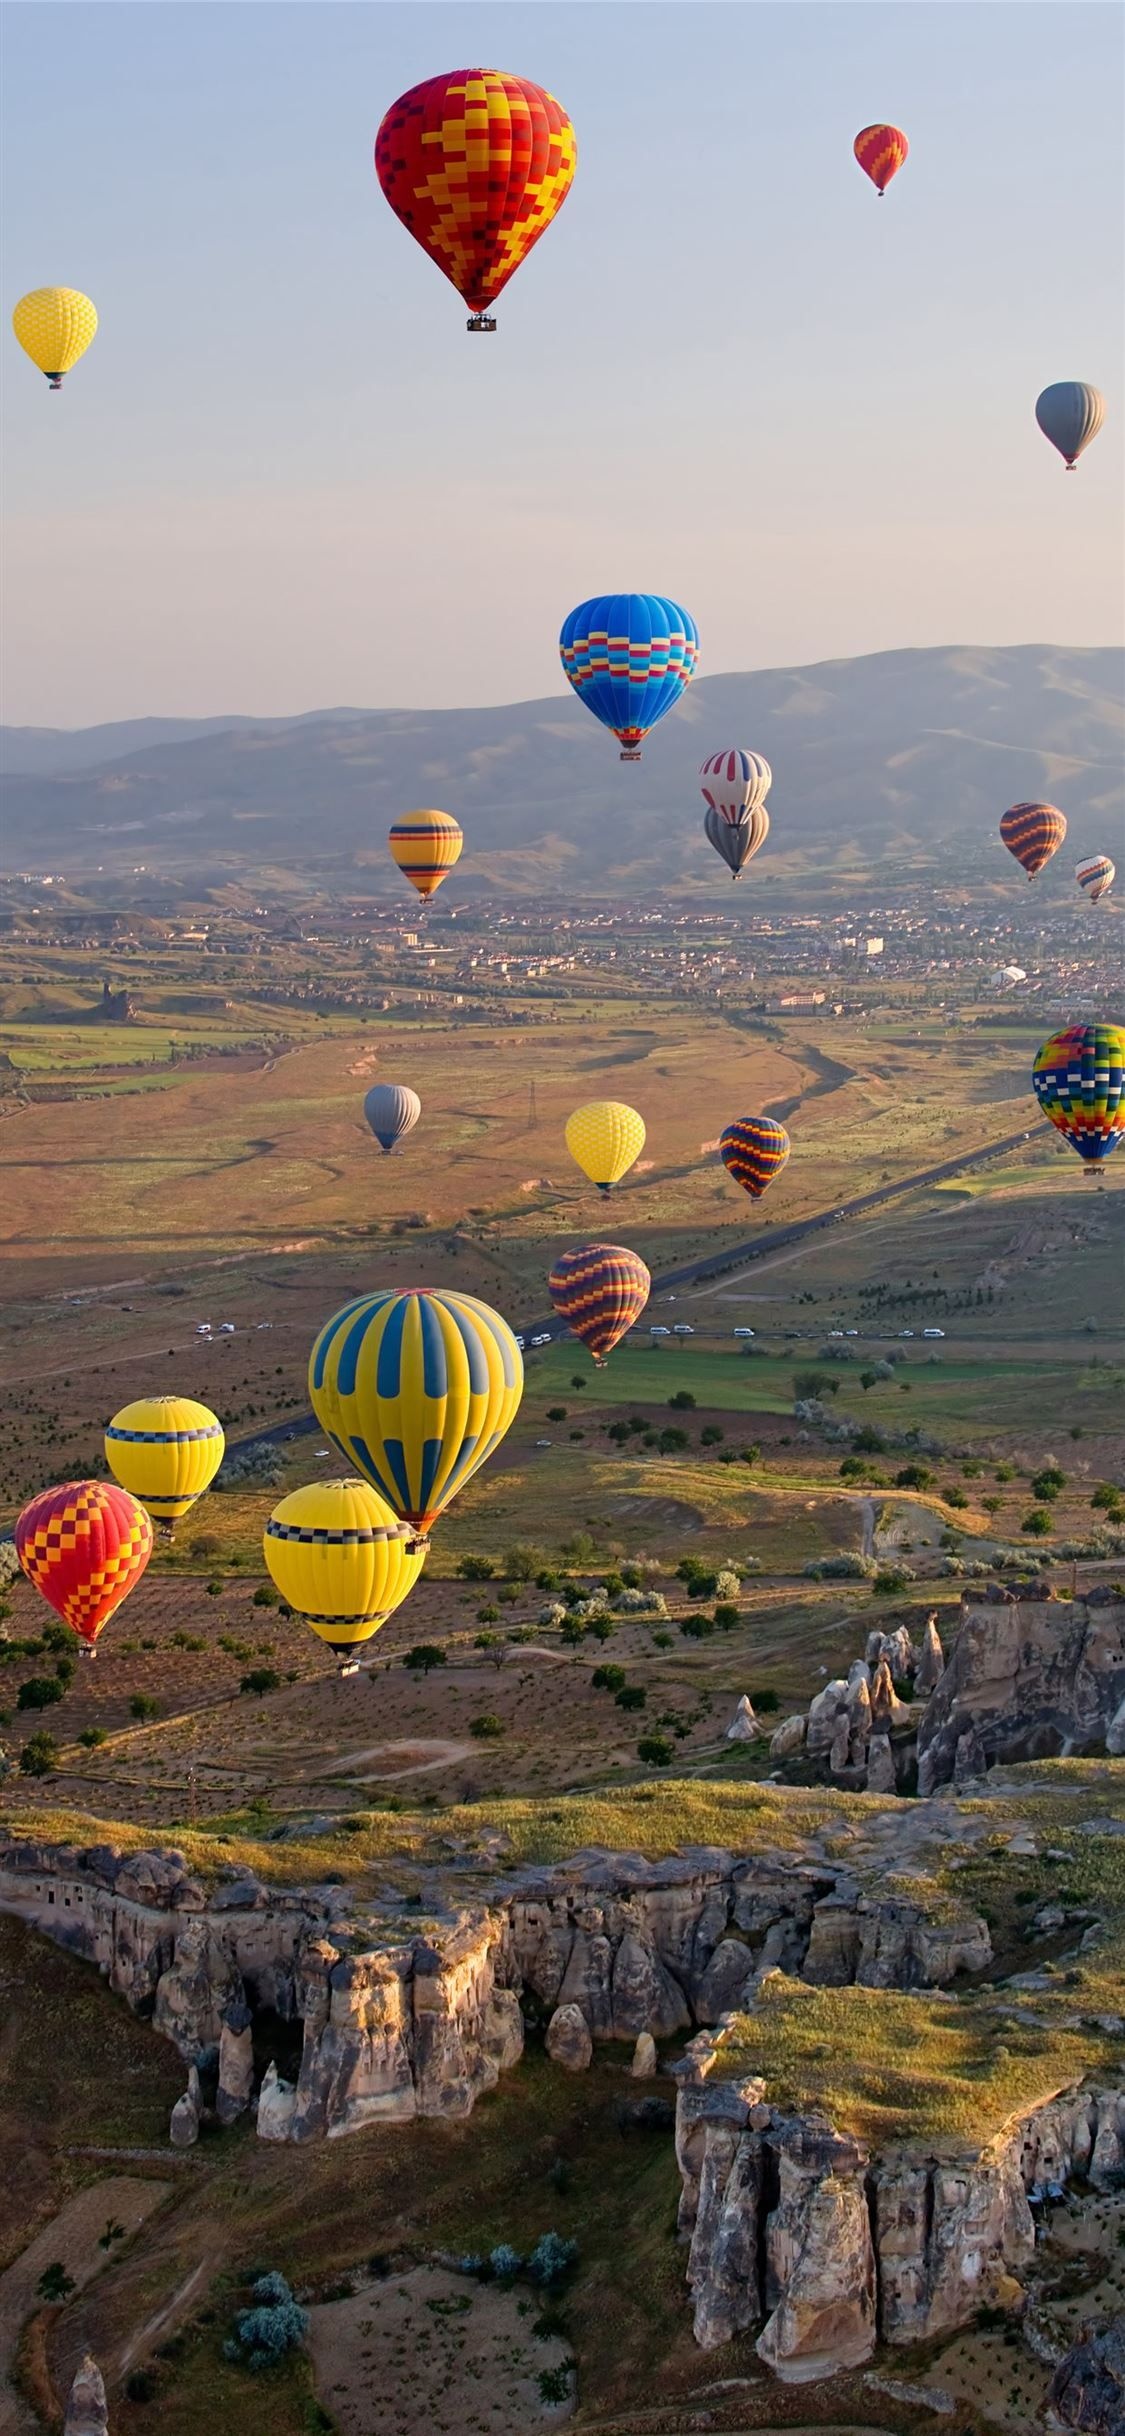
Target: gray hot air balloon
point(1070, 414)
point(737, 840)
point(391, 1110)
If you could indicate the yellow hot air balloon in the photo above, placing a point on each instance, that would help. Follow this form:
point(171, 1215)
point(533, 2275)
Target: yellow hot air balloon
point(342, 1560)
point(426, 845)
point(416, 1388)
point(604, 1138)
point(54, 326)
point(165, 1450)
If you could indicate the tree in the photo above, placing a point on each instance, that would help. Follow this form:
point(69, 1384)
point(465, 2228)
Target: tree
point(55, 2284)
point(143, 1707)
point(671, 1440)
point(631, 1696)
point(683, 1401)
point(522, 1561)
point(424, 1656)
point(39, 1755)
point(608, 1678)
point(556, 1412)
point(265, 1595)
point(1047, 1484)
point(261, 1679)
point(487, 1728)
point(39, 1692)
point(476, 1568)
point(711, 1436)
point(867, 1379)
point(726, 1615)
point(1038, 1523)
point(655, 1750)
point(92, 1736)
point(578, 1381)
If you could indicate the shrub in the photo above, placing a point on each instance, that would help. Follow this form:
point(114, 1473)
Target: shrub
point(727, 1583)
point(266, 2333)
point(655, 1750)
point(40, 1754)
point(551, 2260)
point(522, 1561)
point(1106, 1497)
point(1038, 1523)
point(39, 1692)
point(671, 1441)
point(868, 1441)
point(556, 1412)
point(551, 1617)
point(608, 1678)
point(555, 2383)
point(599, 1626)
point(265, 1595)
point(259, 1465)
point(631, 1696)
point(891, 1578)
point(424, 1656)
point(682, 1402)
point(487, 1728)
point(697, 1628)
point(215, 1589)
point(92, 1736)
point(143, 1707)
point(914, 1476)
point(845, 1568)
point(1005, 1471)
point(1047, 1484)
point(489, 1613)
point(955, 1497)
point(712, 1435)
point(55, 2284)
point(726, 1615)
point(505, 2262)
point(476, 1568)
point(632, 1577)
point(261, 1679)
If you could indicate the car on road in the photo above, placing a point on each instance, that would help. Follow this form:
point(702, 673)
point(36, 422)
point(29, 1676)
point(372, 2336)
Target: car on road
point(933, 1332)
point(544, 1338)
point(744, 1332)
point(519, 1341)
point(851, 1332)
point(226, 1328)
point(835, 1332)
point(660, 1332)
point(906, 1331)
point(203, 1327)
point(543, 1442)
point(264, 1324)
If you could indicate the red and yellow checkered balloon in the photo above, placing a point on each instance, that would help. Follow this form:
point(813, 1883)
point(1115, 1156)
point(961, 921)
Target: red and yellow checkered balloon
point(475, 165)
point(85, 1546)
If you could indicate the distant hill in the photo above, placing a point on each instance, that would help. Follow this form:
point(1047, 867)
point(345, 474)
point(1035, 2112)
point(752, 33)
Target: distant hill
point(909, 756)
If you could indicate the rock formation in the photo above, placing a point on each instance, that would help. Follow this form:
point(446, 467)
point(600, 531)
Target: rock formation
point(236, 2062)
point(788, 1738)
point(1088, 2386)
point(820, 2264)
point(1028, 1679)
point(277, 2105)
point(183, 2130)
point(86, 2411)
point(568, 2039)
point(643, 2065)
point(744, 1726)
point(931, 1660)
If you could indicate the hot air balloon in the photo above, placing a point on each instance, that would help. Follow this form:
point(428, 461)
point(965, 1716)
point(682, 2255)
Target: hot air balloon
point(1033, 833)
point(165, 1450)
point(599, 1291)
point(416, 1389)
point(736, 841)
point(85, 1545)
point(1079, 1078)
point(736, 783)
point(881, 152)
point(54, 326)
point(1095, 875)
point(604, 1138)
point(426, 845)
point(391, 1110)
point(342, 1560)
point(754, 1150)
point(1070, 414)
point(476, 165)
point(629, 656)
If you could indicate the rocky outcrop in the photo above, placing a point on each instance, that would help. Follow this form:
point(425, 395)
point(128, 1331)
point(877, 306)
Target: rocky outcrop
point(744, 1726)
point(236, 2062)
point(87, 2413)
point(643, 2065)
point(187, 2114)
point(1028, 1678)
point(820, 2262)
point(277, 2105)
point(931, 1660)
point(1088, 2386)
point(568, 2039)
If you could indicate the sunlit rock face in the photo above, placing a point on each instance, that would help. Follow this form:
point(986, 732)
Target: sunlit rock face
point(1028, 1678)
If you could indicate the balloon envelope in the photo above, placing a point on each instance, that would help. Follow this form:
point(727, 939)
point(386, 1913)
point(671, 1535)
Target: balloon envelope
point(604, 1137)
point(1079, 1078)
point(599, 1290)
point(54, 327)
point(416, 1389)
point(165, 1450)
point(881, 151)
point(1095, 875)
point(342, 1559)
point(84, 1545)
point(1070, 414)
point(426, 845)
point(476, 164)
point(1033, 833)
point(754, 1150)
point(629, 656)
point(391, 1110)
point(736, 841)
point(735, 782)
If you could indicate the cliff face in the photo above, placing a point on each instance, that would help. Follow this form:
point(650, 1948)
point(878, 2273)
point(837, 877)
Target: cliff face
point(1027, 1679)
point(793, 2224)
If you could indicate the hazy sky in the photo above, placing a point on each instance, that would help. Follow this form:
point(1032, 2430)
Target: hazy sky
point(284, 475)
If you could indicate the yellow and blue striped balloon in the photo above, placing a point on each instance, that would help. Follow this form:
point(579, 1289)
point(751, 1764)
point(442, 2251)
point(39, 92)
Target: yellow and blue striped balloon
point(416, 1389)
point(341, 1559)
point(426, 845)
point(165, 1450)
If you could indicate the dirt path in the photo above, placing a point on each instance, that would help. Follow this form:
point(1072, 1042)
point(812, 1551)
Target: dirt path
point(72, 2238)
point(357, 1763)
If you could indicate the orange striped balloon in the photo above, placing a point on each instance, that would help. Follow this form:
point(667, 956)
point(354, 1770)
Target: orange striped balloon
point(84, 1545)
point(754, 1150)
point(881, 152)
point(599, 1290)
point(1033, 833)
point(426, 845)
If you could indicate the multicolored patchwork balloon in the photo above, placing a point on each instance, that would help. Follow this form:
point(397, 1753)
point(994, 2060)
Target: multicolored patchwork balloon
point(1033, 833)
point(881, 152)
point(629, 657)
point(1079, 1079)
point(342, 1560)
point(754, 1150)
point(85, 1546)
point(165, 1450)
point(416, 1389)
point(599, 1291)
point(476, 164)
point(1095, 875)
point(426, 845)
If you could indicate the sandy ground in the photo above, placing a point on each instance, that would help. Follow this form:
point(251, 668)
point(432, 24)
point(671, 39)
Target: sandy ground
point(73, 2237)
point(434, 2354)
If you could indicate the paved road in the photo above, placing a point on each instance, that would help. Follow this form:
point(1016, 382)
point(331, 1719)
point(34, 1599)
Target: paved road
point(733, 1256)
